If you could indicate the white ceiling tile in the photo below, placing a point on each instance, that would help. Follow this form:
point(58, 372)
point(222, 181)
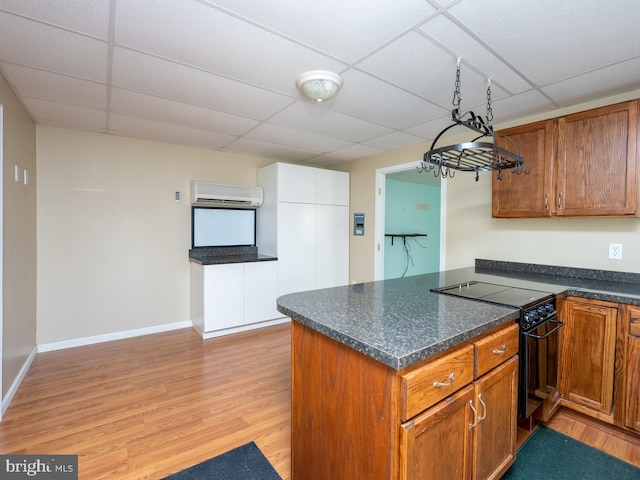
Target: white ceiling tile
point(357, 151)
point(429, 130)
point(278, 134)
point(54, 87)
point(367, 97)
point(521, 105)
point(90, 17)
point(463, 45)
point(33, 44)
point(160, 109)
point(322, 121)
point(346, 30)
point(178, 82)
point(393, 141)
point(269, 150)
point(74, 117)
point(618, 78)
point(415, 63)
point(548, 40)
point(201, 36)
point(164, 132)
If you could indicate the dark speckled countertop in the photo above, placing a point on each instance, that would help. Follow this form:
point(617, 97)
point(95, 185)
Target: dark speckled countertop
point(225, 255)
point(400, 322)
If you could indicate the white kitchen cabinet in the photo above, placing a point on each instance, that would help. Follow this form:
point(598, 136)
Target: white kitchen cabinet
point(332, 258)
point(304, 221)
point(233, 297)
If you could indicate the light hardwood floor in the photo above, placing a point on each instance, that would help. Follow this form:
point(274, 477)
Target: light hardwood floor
point(149, 406)
point(146, 407)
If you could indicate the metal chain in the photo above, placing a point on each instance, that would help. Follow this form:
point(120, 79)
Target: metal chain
point(489, 110)
point(457, 98)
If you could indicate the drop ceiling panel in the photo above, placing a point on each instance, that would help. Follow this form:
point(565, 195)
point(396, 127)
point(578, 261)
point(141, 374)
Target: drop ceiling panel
point(206, 38)
point(29, 43)
point(548, 40)
point(415, 63)
point(367, 97)
point(618, 78)
point(345, 30)
point(90, 17)
point(393, 141)
point(136, 104)
point(269, 150)
point(164, 132)
point(461, 44)
point(56, 88)
point(50, 113)
point(190, 85)
point(296, 138)
point(322, 121)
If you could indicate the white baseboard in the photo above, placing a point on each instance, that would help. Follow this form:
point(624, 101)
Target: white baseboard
point(79, 342)
point(17, 381)
point(243, 328)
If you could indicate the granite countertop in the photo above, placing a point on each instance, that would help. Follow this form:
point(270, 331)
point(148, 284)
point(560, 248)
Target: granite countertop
point(226, 255)
point(400, 322)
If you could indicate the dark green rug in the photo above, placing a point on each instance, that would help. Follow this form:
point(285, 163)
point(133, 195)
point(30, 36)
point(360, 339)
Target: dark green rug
point(243, 463)
point(550, 455)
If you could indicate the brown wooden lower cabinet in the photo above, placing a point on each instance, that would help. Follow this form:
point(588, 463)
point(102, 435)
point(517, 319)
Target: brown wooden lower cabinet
point(587, 356)
point(632, 367)
point(451, 417)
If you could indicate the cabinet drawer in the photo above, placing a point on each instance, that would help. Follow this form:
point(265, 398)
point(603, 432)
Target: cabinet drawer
point(634, 326)
point(427, 385)
point(494, 349)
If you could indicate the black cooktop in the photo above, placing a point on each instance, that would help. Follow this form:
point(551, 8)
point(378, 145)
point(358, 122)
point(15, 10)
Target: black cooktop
point(493, 293)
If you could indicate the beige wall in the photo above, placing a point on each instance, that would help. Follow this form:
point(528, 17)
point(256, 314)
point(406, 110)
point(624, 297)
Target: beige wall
point(471, 232)
point(112, 243)
point(19, 237)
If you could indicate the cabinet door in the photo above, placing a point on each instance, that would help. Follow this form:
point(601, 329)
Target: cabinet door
point(632, 367)
point(494, 437)
point(223, 297)
point(260, 291)
point(296, 247)
point(531, 194)
point(597, 161)
point(587, 356)
point(332, 261)
point(296, 183)
point(332, 187)
point(437, 443)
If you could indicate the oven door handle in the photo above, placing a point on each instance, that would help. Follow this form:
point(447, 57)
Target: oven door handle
point(542, 337)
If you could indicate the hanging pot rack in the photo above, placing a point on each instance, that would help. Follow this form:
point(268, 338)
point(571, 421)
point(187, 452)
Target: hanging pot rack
point(475, 156)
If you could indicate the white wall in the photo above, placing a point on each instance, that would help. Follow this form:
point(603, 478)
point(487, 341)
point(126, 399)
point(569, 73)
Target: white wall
point(19, 239)
point(112, 243)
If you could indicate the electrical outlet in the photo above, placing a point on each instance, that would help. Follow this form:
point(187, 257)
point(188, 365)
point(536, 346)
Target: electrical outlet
point(615, 251)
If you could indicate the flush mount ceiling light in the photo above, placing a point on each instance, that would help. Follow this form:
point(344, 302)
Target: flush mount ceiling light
point(475, 156)
point(319, 85)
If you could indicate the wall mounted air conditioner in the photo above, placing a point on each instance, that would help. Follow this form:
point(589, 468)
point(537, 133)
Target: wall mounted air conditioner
point(218, 195)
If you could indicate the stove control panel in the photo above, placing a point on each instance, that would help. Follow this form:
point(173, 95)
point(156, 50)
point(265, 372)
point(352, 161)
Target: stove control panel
point(537, 314)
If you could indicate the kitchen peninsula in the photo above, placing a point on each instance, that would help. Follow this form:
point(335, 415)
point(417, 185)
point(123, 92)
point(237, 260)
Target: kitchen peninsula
point(376, 365)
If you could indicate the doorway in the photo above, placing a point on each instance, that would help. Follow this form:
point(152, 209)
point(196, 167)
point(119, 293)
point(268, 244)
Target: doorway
point(409, 222)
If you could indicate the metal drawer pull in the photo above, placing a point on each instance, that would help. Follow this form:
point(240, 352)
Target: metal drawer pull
point(500, 352)
point(452, 377)
point(475, 416)
point(484, 406)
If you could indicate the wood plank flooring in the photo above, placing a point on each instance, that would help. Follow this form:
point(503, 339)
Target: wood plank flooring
point(146, 407)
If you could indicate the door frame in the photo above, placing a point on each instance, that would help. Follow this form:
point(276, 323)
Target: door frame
point(1, 257)
point(381, 175)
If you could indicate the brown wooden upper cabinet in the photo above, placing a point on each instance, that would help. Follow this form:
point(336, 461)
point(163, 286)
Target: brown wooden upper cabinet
point(584, 164)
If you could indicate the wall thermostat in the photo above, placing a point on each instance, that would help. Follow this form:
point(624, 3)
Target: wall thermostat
point(358, 224)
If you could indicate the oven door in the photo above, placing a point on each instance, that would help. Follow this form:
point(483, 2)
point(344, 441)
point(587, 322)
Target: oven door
point(539, 365)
